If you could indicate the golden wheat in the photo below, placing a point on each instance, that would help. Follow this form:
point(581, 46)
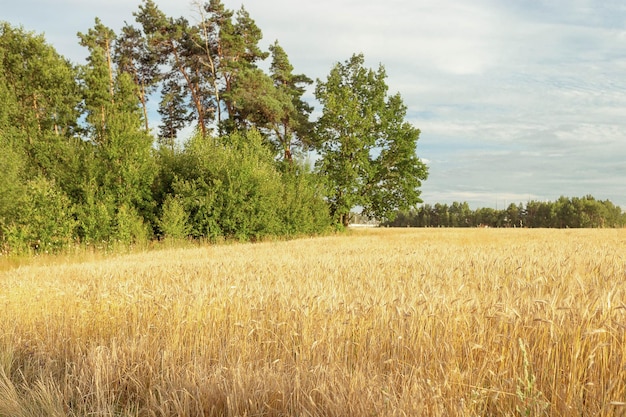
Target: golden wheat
point(378, 322)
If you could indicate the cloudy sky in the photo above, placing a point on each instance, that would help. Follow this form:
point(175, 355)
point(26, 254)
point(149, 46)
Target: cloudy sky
point(516, 99)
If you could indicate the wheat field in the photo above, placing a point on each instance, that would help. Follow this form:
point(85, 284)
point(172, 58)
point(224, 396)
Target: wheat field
point(379, 322)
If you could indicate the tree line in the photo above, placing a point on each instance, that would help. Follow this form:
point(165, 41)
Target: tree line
point(585, 212)
point(84, 163)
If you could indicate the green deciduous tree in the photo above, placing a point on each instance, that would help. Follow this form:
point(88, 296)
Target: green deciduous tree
point(40, 97)
point(42, 82)
point(11, 185)
point(232, 187)
point(302, 208)
point(367, 150)
point(12, 157)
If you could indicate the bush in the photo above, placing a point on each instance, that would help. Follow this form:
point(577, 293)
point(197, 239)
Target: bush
point(232, 187)
point(45, 221)
point(130, 227)
point(303, 209)
point(95, 216)
point(174, 219)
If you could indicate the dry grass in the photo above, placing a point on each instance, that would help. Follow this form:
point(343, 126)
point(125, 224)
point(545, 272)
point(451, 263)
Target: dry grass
point(379, 322)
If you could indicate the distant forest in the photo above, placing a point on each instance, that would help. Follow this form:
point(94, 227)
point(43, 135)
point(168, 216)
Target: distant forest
point(585, 212)
point(83, 162)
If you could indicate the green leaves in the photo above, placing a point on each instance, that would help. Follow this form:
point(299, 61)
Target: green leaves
point(40, 87)
point(367, 150)
point(45, 221)
point(116, 197)
point(11, 186)
point(174, 220)
point(231, 187)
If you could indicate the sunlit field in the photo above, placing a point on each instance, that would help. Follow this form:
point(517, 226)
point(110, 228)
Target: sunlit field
point(382, 322)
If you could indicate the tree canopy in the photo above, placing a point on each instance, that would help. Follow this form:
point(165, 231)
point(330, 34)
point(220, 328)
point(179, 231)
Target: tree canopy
point(80, 160)
point(367, 150)
point(565, 212)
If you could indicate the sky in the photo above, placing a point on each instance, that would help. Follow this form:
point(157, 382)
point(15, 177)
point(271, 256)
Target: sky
point(516, 100)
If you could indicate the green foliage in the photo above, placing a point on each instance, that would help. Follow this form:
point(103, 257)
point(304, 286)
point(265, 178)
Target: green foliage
point(95, 216)
point(45, 221)
point(256, 100)
point(130, 227)
point(127, 165)
point(11, 185)
point(12, 155)
point(302, 209)
point(289, 125)
point(174, 221)
point(232, 188)
point(97, 79)
point(134, 56)
point(84, 131)
point(39, 99)
point(564, 213)
point(367, 151)
point(102, 220)
point(43, 82)
point(38, 115)
point(238, 53)
point(117, 200)
point(198, 196)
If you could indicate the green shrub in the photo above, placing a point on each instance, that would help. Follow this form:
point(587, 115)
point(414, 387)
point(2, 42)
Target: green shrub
point(45, 221)
point(129, 226)
point(231, 188)
point(95, 216)
point(174, 219)
point(302, 209)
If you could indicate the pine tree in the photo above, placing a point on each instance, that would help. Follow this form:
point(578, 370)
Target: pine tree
point(179, 47)
point(134, 56)
point(291, 126)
